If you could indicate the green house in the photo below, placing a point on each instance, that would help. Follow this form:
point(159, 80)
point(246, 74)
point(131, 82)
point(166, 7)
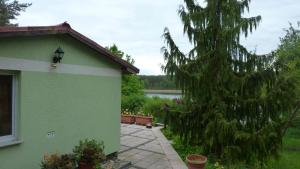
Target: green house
point(56, 87)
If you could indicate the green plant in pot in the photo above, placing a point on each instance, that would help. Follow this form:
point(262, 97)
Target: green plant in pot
point(89, 154)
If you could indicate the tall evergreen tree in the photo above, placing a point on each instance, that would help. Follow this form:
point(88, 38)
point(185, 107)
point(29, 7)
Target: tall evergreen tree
point(237, 101)
point(9, 10)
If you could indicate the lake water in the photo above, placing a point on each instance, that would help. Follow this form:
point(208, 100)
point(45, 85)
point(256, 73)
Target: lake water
point(163, 95)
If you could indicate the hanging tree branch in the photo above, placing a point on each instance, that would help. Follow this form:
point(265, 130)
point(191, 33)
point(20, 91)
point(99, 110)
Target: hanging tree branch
point(291, 118)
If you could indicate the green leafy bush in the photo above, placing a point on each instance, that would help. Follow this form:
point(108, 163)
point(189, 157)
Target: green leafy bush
point(132, 103)
point(89, 151)
point(132, 86)
point(155, 107)
point(56, 161)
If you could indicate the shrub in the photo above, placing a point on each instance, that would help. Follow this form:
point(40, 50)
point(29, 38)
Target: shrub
point(132, 103)
point(155, 107)
point(56, 161)
point(90, 152)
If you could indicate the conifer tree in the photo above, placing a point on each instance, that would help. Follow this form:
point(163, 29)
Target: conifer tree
point(236, 101)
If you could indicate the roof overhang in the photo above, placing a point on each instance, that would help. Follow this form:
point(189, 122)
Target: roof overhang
point(65, 28)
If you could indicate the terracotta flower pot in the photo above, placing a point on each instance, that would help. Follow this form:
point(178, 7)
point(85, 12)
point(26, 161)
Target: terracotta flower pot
point(83, 165)
point(143, 120)
point(128, 119)
point(195, 161)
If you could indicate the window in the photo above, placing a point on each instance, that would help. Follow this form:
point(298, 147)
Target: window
point(7, 107)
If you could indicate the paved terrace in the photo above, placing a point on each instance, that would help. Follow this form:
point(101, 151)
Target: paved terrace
point(147, 149)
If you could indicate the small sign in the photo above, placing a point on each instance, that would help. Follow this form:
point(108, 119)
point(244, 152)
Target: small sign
point(51, 134)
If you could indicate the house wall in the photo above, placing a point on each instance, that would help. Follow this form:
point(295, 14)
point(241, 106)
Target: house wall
point(80, 99)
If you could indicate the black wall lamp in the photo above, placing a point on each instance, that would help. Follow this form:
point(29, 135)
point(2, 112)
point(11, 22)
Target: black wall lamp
point(58, 55)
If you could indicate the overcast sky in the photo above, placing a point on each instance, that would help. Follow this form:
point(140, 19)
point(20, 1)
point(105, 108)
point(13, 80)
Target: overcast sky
point(136, 26)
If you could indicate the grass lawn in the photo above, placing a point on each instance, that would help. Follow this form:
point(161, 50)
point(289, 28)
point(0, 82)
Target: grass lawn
point(289, 157)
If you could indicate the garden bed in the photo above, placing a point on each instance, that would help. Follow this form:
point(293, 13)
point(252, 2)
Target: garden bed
point(289, 157)
point(127, 119)
point(143, 120)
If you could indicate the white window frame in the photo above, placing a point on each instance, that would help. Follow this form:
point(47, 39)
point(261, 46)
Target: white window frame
point(13, 136)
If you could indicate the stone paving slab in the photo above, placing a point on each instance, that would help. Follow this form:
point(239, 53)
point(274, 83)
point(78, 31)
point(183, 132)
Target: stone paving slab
point(147, 149)
point(152, 146)
point(128, 130)
point(124, 148)
point(131, 141)
point(148, 134)
point(170, 153)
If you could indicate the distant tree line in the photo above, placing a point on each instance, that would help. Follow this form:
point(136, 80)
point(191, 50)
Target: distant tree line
point(159, 82)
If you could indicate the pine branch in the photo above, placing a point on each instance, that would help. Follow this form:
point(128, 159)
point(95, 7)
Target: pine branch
point(291, 119)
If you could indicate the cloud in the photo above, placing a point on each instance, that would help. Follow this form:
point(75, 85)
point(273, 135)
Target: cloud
point(276, 16)
point(136, 26)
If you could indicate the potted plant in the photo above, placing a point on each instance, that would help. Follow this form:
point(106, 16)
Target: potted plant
point(195, 161)
point(89, 154)
point(56, 161)
point(127, 118)
point(142, 119)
